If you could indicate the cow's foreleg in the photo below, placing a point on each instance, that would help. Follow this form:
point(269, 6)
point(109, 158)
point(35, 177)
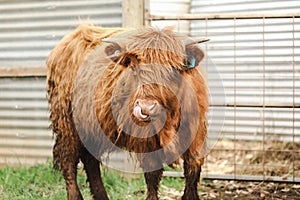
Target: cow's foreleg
point(153, 170)
point(92, 168)
point(152, 181)
point(192, 171)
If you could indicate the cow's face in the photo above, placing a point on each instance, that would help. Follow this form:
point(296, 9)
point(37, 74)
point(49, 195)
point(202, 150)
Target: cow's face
point(151, 84)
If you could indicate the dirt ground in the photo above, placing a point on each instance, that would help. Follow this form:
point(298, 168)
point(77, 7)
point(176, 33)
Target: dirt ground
point(270, 159)
point(228, 190)
point(250, 190)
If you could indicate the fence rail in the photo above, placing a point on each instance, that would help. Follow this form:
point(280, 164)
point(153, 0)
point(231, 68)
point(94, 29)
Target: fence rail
point(22, 71)
point(221, 16)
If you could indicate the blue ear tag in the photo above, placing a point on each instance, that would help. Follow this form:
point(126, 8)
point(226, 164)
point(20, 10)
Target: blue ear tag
point(192, 62)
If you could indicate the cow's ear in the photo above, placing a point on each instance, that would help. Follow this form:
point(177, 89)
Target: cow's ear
point(194, 55)
point(113, 51)
point(116, 53)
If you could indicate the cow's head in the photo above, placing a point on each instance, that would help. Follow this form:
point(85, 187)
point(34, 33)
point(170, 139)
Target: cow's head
point(154, 79)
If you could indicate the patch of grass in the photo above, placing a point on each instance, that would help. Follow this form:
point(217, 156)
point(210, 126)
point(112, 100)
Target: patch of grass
point(121, 187)
point(41, 182)
point(173, 182)
point(36, 182)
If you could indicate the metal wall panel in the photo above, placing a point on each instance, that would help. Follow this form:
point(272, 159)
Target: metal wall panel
point(244, 6)
point(25, 136)
point(28, 32)
point(30, 29)
point(173, 7)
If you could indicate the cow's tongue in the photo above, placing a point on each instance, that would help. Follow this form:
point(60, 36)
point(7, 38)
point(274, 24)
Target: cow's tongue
point(137, 112)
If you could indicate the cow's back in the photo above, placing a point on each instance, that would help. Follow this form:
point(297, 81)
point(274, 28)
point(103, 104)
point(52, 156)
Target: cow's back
point(63, 64)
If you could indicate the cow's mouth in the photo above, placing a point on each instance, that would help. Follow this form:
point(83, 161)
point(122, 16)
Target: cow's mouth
point(144, 110)
point(137, 112)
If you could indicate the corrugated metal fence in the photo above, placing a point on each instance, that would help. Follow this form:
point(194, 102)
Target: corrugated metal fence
point(28, 31)
point(24, 134)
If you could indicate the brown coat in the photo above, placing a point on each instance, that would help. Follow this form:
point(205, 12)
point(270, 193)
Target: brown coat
point(138, 91)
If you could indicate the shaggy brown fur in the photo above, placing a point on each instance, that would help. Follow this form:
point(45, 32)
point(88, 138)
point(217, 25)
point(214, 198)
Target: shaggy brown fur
point(95, 90)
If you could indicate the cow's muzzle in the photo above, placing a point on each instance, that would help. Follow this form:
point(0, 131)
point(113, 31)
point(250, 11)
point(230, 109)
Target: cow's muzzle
point(144, 109)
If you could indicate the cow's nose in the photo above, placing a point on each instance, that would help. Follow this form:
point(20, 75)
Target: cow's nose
point(146, 104)
point(145, 107)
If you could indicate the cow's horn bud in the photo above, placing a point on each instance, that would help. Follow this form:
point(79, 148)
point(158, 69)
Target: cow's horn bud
point(189, 41)
point(110, 40)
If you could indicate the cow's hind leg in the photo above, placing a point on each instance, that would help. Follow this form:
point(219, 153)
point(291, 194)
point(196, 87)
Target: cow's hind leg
point(92, 168)
point(192, 171)
point(70, 173)
point(67, 160)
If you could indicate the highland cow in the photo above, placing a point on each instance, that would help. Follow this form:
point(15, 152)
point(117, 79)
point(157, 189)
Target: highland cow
point(136, 90)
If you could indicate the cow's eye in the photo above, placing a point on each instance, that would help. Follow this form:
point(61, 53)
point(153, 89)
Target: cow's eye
point(133, 69)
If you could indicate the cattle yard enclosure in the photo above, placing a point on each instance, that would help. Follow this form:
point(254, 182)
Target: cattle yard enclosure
point(257, 58)
point(253, 70)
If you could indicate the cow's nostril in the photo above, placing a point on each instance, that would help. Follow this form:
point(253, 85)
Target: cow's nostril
point(152, 107)
point(137, 102)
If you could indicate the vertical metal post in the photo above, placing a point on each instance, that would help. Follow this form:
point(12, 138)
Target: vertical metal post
point(264, 94)
point(294, 72)
point(234, 101)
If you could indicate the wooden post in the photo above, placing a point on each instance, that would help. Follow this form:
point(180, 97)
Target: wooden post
point(133, 13)
point(147, 22)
